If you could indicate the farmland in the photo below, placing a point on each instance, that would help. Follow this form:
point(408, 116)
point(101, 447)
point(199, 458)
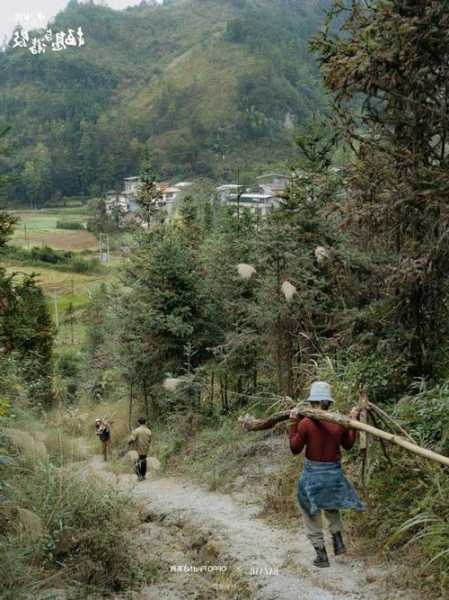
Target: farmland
point(36, 228)
point(67, 292)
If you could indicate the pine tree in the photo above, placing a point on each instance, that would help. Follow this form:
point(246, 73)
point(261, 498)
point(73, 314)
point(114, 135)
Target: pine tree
point(149, 195)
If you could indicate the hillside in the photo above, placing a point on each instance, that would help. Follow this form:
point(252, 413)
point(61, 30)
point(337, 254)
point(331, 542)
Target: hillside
point(209, 84)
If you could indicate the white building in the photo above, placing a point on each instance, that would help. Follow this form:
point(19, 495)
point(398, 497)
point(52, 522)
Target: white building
point(132, 185)
point(126, 200)
point(116, 201)
point(183, 185)
point(228, 191)
point(259, 202)
point(169, 194)
point(272, 183)
point(255, 203)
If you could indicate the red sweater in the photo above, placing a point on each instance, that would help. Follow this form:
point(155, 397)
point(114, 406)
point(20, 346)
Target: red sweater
point(321, 439)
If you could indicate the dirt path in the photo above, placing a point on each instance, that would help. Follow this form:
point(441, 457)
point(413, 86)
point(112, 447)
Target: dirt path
point(275, 563)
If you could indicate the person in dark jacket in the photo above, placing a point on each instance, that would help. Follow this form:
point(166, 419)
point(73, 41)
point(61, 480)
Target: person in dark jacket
point(322, 486)
point(103, 430)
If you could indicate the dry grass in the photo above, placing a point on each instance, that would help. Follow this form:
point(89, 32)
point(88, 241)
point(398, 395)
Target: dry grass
point(62, 448)
point(60, 521)
point(280, 501)
point(81, 421)
point(29, 524)
point(20, 522)
point(56, 282)
point(61, 239)
point(25, 445)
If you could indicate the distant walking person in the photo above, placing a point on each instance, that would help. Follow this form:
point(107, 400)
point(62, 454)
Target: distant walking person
point(103, 430)
point(323, 486)
point(140, 439)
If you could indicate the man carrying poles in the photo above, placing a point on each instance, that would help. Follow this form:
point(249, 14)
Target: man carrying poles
point(322, 486)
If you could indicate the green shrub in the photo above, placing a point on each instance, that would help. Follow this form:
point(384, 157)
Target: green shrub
point(43, 256)
point(80, 265)
point(426, 417)
point(75, 225)
point(49, 255)
point(68, 368)
point(384, 377)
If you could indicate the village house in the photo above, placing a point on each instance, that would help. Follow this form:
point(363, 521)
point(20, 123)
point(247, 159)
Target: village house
point(170, 193)
point(126, 200)
point(272, 183)
point(228, 192)
point(116, 201)
point(256, 203)
point(264, 198)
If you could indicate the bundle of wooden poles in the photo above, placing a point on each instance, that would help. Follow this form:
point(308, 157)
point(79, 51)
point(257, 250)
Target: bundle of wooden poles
point(368, 410)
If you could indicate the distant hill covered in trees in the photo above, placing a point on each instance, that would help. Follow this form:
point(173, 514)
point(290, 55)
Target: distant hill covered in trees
point(209, 85)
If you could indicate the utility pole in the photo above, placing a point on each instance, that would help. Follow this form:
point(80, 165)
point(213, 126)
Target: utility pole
point(238, 202)
point(55, 301)
point(71, 315)
point(104, 247)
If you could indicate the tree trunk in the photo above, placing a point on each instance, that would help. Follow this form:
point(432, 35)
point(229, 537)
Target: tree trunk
point(211, 397)
point(239, 391)
point(255, 380)
point(251, 424)
point(130, 414)
point(226, 393)
point(145, 398)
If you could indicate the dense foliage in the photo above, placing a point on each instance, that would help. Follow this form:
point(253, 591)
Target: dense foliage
point(26, 329)
point(395, 54)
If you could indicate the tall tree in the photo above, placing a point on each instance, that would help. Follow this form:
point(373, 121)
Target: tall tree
point(392, 56)
point(149, 195)
point(87, 156)
point(37, 176)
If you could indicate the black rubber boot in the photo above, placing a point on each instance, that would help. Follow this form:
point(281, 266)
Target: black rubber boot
point(339, 547)
point(321, 559)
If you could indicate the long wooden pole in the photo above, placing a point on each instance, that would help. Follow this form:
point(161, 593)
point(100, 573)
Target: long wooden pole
point(251, 424)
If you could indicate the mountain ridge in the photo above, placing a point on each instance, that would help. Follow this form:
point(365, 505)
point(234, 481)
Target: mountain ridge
point(196, 80)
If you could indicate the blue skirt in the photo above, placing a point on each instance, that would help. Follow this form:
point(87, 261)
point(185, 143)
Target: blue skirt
point(323, 486)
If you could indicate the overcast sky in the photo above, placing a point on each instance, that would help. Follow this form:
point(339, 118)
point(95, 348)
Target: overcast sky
point(32, 12)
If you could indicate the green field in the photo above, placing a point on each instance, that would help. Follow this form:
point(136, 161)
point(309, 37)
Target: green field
point(62, 288)
point(59, 283)
point(38, 228)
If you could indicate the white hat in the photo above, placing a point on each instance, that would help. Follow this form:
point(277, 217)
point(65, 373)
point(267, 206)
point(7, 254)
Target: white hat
point(319, 391)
